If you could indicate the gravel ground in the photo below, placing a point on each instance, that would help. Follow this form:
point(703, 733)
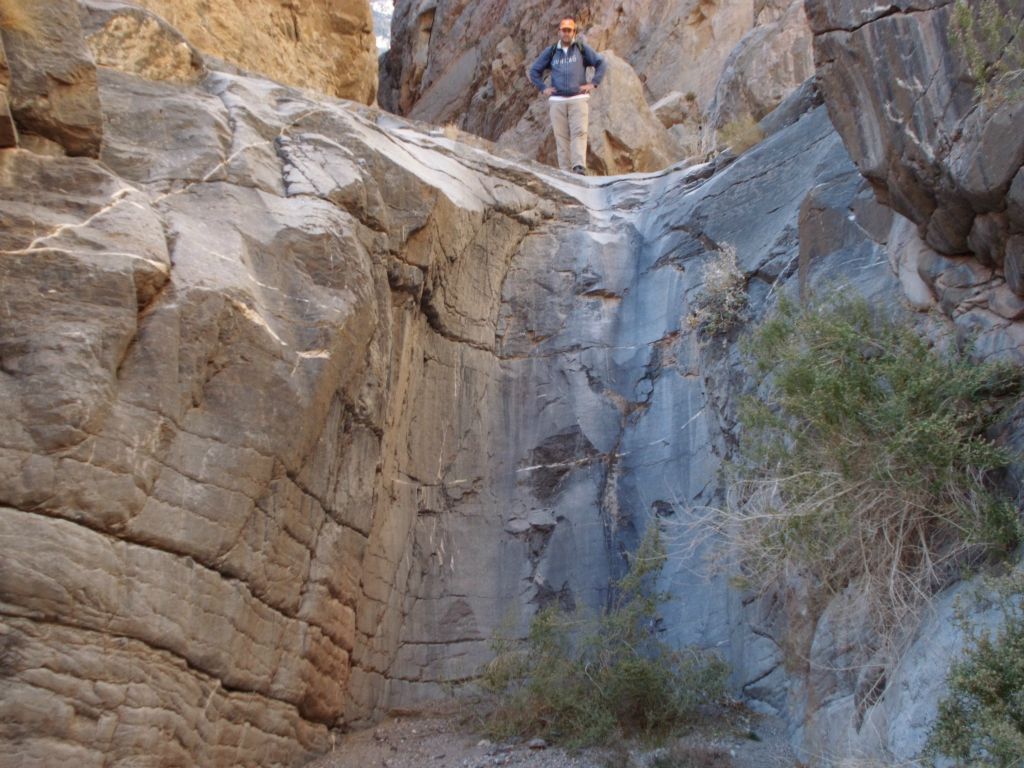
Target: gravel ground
point(731, 739)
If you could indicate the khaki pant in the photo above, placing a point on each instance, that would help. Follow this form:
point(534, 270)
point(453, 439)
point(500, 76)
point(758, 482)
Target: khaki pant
point(569, 121)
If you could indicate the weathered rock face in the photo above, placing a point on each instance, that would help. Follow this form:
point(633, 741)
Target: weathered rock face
point(764, 68)
point(485, 90)
point(298, 402)
point(52, 83)
point(256, 441)
point(324, 45)
point(466, 63)
point(454, 58)
point(906, 110)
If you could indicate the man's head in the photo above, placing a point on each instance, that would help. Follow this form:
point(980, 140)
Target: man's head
point(567, 30)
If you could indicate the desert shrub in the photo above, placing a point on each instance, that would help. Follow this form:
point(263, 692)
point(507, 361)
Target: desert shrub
point(981, 720)
point(864, 459)
point(583, 679)
point(991, 44)
point(722, 303)
point(740, 134)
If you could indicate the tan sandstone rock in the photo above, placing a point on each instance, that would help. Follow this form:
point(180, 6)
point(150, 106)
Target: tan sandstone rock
point(625, 134)
point(317, 44)
point(131, 39)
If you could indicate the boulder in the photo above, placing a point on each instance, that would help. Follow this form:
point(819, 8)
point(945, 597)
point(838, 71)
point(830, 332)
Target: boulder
point(1015, 203)
point(1014, 264)
point(684, 120)
point(676, 108)
point(52, 91)
point(625, 134)
point(133, 40)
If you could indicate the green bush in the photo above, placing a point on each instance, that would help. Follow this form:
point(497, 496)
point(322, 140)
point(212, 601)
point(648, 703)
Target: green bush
point(583, 679)
point(981, 721)
point(864, 458)
point(991, 44)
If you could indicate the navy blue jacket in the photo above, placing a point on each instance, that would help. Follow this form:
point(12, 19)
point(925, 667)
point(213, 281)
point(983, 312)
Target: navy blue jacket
point(568, 68)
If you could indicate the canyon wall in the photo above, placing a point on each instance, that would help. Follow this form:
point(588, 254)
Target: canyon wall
point(466, 63)
point(300, 401)
point(948, 161)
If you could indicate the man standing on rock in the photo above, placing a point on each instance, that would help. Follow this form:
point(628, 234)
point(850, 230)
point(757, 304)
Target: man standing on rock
point(569, 93)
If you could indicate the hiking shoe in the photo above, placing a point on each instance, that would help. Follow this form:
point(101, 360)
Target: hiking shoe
point(579, 169)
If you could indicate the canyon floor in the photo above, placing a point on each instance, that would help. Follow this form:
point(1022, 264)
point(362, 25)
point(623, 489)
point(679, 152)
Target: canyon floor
point(443, 739)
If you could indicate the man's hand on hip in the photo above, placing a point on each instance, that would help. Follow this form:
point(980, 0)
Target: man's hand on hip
point(549, 91)
point(587, 88)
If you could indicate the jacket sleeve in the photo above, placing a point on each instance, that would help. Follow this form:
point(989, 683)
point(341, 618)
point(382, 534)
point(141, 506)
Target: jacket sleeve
point(594, 59)
point(537, 69)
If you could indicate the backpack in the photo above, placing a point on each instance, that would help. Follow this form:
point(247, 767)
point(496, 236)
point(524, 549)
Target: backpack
point(575, 44)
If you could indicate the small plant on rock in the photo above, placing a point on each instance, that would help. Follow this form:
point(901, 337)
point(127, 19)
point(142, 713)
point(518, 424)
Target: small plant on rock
point(583, 679)
point(865, 459)
point(722, 305)
point(991, 43)
point(740, 134)
point(981, 720)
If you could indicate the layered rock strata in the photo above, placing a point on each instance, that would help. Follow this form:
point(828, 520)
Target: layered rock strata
point(299, 402)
